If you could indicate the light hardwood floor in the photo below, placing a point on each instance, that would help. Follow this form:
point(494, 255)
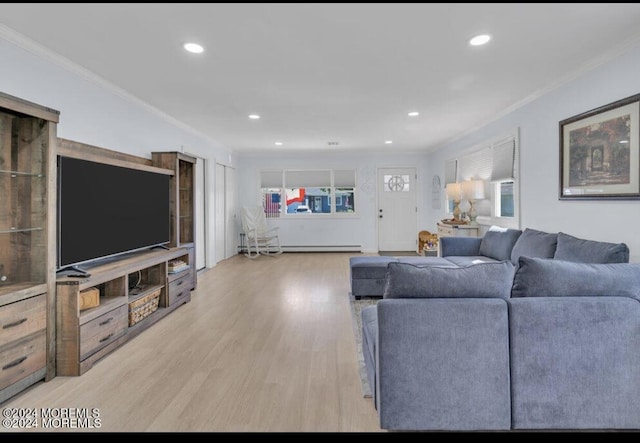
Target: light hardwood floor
point(265, 345)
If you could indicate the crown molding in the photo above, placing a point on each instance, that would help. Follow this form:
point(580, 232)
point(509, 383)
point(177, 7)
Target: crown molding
point(44, 53)
point(583, 69)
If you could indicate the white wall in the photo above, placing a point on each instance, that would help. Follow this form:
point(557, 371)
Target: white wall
point(95, 113)
point(612, 221)
point(330, 231)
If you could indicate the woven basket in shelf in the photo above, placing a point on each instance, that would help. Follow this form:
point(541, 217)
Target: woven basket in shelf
point(144, 306)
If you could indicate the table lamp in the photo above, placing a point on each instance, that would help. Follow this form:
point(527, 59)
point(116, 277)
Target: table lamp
point(473, 190)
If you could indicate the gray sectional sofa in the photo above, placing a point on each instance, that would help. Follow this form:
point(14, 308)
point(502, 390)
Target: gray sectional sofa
point(367, 273)
point(546, 339)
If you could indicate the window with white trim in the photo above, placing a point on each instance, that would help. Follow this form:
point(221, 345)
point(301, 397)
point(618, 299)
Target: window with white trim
point(495, 163)
point(503, 173)
point(293, 193)
point(344, 182)
point(271, 192)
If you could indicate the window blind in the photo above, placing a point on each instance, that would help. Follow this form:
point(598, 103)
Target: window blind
point(450, 171)
point(344, 178)
point(307, 179)
point(476, 165)
point(503, 160)
point(270, 179)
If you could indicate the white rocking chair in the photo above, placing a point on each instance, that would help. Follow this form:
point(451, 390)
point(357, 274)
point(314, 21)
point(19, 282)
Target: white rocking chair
point(261, 240)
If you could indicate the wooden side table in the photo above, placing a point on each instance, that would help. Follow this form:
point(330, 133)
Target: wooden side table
point(445, 230)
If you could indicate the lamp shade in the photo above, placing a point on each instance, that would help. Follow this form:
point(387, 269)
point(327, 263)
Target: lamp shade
point(473, 189)
point(454, 191)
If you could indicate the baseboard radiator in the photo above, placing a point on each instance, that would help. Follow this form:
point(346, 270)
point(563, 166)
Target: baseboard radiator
point(242, 247)
point(323, 248)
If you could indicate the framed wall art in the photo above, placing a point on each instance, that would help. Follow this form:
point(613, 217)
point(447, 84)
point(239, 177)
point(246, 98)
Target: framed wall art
point(600, 153)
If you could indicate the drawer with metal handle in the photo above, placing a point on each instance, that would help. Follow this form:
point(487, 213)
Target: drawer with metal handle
point(180, 289)
point(22, 358)
point(99, 332)
point(24, 317)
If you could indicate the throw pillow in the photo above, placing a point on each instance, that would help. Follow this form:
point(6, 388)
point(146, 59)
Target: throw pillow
point(485, 280)
point(533, 243)
point(498, 242)
point(588, 251)
point(546, 277)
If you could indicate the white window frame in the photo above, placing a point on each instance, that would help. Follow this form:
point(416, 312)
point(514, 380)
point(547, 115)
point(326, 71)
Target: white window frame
point(496, 218)
point(332, 194)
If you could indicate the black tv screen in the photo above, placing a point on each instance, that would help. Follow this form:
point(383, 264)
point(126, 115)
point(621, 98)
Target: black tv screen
point(106, 210)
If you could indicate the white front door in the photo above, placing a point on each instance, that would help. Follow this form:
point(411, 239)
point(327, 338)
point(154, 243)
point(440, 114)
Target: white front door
point(397, 210)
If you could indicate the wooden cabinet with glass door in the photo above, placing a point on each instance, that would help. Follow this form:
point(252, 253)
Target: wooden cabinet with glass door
point(182, 211)
point(27, 243)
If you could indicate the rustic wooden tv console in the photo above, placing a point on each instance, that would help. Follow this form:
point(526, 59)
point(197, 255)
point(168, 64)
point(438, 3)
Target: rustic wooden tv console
point(86, 336)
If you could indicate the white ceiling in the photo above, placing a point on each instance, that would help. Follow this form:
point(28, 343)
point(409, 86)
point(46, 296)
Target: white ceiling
point(331, 72)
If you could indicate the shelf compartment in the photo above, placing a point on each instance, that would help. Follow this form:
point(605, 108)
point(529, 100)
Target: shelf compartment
point(16, 291)
point(142, 291)
point(144, 304)
point(176, 275)
point(25, 162)
point(112, 295)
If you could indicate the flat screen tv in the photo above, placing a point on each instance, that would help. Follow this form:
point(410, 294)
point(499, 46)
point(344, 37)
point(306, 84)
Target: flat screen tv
point(106, 210)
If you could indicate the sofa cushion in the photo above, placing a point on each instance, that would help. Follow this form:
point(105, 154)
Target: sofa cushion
point(588, 251)
point(544, 277)
point(534, 243)
point(468, 260)
point(427, 261)
point(498, 242)
point(485, 280)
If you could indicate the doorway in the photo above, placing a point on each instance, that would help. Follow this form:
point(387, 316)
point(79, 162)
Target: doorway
point(397, 209)
point(226, 221)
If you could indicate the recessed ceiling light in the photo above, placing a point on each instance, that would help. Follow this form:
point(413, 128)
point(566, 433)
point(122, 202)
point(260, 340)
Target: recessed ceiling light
point(254, 116)
point(388, 142)
point(194, 48)
point(480, 40)
point(278, 143)
point(413, 114)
